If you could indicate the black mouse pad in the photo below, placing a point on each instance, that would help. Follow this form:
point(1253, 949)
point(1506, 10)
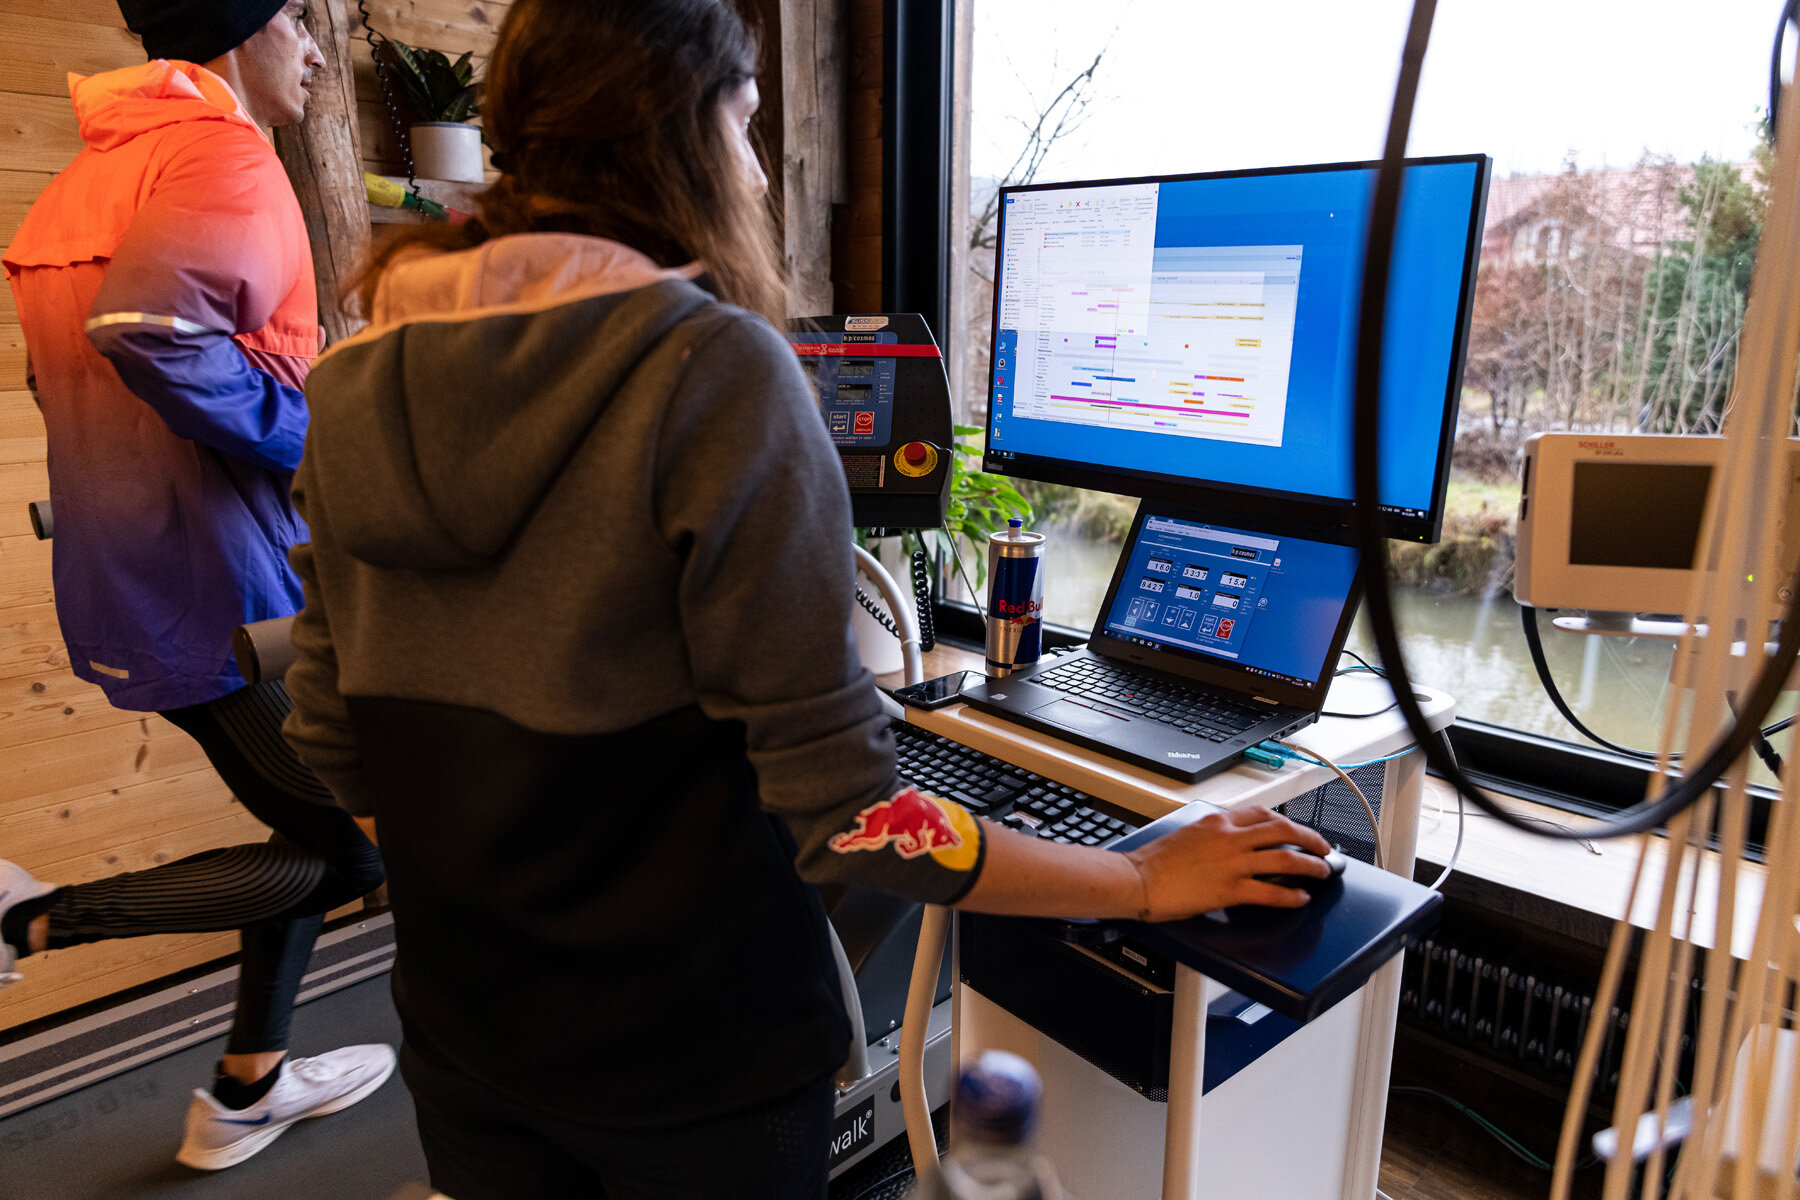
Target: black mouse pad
point(1301, 961)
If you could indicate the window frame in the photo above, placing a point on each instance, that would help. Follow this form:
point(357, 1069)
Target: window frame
point(918, 164)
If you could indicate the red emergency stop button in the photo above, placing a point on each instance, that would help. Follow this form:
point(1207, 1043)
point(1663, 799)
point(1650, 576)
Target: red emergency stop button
point(916, 459)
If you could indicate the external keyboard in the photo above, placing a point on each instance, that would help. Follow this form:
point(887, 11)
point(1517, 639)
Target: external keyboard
point(1203, 714)
point(1018, 798)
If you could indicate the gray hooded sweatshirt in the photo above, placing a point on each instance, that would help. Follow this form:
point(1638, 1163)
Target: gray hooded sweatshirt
point(577, 633)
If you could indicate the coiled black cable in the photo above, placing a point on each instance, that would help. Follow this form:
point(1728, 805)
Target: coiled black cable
point(382, 77)
point(1371, 526)
point(921, 581)
point(882, 617)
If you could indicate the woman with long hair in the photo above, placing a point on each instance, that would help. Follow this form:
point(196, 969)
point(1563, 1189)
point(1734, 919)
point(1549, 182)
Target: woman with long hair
point(577, 634)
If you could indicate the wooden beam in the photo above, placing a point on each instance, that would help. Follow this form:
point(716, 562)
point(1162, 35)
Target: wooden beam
point(324, 160)
point(814, 53)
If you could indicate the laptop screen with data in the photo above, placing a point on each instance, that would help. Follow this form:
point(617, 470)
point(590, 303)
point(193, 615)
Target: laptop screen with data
point(1267, 604)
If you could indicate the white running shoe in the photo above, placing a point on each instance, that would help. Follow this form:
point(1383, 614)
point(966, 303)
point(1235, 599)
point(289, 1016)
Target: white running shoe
point(219, 1137)
point(16, 886)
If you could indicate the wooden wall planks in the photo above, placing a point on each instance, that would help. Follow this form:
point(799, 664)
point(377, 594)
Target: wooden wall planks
point(43, 49)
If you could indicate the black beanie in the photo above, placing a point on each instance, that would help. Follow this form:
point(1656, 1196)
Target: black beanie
point(196, 31)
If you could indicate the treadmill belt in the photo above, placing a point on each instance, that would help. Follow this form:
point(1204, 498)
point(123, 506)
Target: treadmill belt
point(116, 1139)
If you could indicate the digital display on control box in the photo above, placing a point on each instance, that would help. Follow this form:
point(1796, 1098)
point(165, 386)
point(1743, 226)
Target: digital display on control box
point(855, 391)
point(855, 370)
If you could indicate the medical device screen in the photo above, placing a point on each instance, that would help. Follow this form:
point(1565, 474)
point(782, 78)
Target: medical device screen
point(1269, 604)
point(1193, 338)
point(1637, 514)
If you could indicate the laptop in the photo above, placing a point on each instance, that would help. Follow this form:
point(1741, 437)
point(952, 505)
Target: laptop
point(1213, 636)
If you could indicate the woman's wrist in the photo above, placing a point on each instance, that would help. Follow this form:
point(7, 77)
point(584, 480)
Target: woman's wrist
point(1023, 876)
point(1143, 885)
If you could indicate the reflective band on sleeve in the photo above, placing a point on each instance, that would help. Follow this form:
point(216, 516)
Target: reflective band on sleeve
point(178, 324)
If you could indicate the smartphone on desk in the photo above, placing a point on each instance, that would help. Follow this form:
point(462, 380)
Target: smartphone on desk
point(935, 693)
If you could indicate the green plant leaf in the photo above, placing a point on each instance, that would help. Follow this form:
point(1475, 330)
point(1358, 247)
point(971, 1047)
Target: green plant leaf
point(436, 89)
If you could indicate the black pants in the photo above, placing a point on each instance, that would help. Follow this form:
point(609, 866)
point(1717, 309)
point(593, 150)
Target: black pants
point(276, 892)
point(483, 1146)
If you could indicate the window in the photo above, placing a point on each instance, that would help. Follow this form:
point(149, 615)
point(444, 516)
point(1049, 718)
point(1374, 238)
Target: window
point(1615, 260)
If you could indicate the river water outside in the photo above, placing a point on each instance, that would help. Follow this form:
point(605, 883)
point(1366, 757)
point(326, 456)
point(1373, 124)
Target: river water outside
point(1473, 649)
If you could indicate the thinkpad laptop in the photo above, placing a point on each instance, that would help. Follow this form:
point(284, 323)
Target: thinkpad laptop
point(1212, 638)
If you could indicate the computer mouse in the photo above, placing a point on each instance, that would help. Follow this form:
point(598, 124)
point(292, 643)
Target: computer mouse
point(1334, 860)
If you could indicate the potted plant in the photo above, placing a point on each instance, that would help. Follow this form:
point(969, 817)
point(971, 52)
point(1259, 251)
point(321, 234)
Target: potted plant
point(979, 504)
point(444, 146)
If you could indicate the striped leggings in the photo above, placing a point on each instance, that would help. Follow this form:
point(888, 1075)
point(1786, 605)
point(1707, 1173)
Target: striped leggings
point(276, 892)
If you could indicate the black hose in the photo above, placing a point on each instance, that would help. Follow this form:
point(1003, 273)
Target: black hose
point(1790, 14)
point(1760, 744)
point(1534, 642)
point(1371, 526)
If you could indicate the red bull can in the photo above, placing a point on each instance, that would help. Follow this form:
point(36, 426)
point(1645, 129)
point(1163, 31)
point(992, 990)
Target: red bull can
point(1015, 625)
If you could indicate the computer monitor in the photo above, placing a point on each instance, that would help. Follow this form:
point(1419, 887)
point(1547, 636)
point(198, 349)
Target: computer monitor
point(1192, 338)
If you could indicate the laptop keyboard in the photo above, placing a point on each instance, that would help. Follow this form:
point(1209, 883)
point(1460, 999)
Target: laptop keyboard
point(1020, 799)
point(1203, 714)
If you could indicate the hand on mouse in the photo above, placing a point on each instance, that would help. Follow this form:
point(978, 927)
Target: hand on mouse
point(1213, 863)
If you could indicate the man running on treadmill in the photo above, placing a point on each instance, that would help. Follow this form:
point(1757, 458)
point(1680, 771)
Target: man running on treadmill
point(165, 288)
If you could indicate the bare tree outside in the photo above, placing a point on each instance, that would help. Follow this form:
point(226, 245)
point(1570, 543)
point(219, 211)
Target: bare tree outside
point(1057, 117)
point(1063, 95)
point(1607, 300)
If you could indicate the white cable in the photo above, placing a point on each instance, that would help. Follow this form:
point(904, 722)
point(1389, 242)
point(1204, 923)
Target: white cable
point(1369, 809)
point(1456, 850)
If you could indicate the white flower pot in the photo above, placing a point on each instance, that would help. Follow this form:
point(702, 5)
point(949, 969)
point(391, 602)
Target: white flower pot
point(447, 150)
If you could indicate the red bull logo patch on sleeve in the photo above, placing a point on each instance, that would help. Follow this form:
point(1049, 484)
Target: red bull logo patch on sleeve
point(915, 823)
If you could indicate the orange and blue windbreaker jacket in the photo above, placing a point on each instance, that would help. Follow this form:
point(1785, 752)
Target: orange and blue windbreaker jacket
point(165, 288)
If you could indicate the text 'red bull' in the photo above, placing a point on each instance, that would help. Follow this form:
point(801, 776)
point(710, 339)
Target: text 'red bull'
point(1015, 625)
point(911, 821)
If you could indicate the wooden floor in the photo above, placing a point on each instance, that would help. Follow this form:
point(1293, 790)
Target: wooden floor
point(1434, 1152)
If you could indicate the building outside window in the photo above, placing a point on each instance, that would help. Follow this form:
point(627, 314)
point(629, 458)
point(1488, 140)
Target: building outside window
point(1621, 227)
